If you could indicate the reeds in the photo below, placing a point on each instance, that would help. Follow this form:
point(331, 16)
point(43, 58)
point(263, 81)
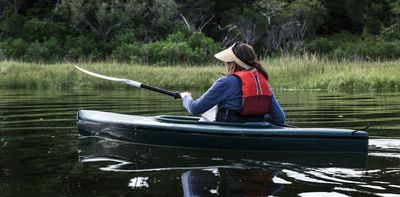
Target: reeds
point(305, 72)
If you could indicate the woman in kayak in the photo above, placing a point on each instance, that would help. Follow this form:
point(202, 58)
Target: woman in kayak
point(243, 95)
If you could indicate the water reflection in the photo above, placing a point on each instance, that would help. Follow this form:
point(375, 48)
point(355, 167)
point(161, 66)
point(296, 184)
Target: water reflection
point(39, 143)
point(212, 173)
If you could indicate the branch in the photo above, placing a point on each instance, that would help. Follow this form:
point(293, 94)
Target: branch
point(109, 30)
point(186, 22)
point(208, 21)
point(226, 42)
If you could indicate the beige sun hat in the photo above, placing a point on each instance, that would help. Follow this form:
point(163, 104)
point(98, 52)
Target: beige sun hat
point(227, 55)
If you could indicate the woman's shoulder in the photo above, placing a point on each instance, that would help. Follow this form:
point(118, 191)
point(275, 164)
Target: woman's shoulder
point(229, 81)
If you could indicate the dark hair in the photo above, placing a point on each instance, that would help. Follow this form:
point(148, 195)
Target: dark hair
point(248, 56)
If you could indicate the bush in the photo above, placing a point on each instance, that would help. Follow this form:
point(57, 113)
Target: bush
point(167, 52)
point(181, 48)
point(128, 53)
point(46, 51)
point(320, 45)
point(380, 49)
point(176, 48)
point(327, 45)
point(204, 47)
point(348, 46)
point(391, 33)
point(35, 29)
point(14, 48)
point(81, 48)
point(13, 25)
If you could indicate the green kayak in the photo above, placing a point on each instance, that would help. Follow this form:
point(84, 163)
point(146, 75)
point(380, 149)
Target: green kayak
point(189, 132)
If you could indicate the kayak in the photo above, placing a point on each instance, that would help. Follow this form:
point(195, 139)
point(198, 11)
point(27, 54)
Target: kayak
point(189, 132)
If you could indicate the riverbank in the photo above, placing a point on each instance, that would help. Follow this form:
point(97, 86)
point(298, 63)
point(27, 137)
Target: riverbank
point(306, 72)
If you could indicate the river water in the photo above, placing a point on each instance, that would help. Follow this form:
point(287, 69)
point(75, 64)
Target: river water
point(42, 154)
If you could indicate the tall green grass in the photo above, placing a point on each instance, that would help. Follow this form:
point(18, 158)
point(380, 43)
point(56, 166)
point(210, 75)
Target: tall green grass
point(307, 72)
point(311, 72)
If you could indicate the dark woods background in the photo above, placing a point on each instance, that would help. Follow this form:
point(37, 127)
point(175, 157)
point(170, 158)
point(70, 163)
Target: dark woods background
point(179, 31)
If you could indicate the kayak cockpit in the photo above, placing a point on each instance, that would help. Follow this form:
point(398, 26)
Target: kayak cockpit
point(195, 121)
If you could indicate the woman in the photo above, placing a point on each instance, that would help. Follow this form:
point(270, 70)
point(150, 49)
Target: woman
point(243, 95)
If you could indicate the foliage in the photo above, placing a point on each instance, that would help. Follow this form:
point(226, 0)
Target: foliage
point(177, 47)
point(348, 46)
point(15, 48)
point(391, 33)
point(189, 31)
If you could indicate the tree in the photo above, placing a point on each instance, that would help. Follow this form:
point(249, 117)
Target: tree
point(2, 5)
point(396, 11)
point(249, 25)
point(159, 19)
point(196, 14)
point(98, 17)
point(288, 23)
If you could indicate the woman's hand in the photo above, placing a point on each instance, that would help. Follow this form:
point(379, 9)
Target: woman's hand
point(183, 94)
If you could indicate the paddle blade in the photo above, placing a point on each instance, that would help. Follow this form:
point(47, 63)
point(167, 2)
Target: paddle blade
point(126, 81)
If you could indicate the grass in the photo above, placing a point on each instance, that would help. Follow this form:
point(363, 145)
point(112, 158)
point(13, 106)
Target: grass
point(308, 72)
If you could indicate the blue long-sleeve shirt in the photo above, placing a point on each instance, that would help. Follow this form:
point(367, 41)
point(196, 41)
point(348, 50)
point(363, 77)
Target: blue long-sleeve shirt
point(227, 92)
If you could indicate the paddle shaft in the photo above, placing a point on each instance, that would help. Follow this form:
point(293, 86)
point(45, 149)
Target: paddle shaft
point(160, 90)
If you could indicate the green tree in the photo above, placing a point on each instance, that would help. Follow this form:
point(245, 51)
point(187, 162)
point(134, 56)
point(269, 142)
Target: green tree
point(197, 14)
point(159, 19)
point(100, 18)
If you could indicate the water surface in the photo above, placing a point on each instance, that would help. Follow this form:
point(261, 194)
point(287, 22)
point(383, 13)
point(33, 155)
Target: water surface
point(42, 154)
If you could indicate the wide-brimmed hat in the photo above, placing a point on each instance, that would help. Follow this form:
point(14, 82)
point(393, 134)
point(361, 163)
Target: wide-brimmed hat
point(227, 55)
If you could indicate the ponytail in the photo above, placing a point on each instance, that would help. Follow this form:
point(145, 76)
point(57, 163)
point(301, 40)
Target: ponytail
point(246, 54)
point(260, 69)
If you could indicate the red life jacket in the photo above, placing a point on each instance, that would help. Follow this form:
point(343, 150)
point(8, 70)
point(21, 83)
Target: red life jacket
point(256, 95)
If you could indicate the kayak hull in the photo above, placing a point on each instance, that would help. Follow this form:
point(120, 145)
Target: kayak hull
point(225, 136)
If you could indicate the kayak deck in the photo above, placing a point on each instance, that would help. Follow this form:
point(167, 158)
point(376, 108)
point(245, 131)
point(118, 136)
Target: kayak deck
point(184, 131)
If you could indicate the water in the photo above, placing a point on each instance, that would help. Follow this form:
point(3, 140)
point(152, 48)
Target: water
point(41, 153)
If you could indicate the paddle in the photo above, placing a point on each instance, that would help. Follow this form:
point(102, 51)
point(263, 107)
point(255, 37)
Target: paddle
point(132, 83)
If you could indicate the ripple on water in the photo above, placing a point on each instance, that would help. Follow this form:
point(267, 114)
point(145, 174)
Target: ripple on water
point(392, 144)
point(319, 194)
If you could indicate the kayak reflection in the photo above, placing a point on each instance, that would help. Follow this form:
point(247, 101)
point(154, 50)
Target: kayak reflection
point(229, 182)
point(138, 157)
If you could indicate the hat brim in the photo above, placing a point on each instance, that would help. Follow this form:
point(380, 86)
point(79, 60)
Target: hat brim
point(227, 55)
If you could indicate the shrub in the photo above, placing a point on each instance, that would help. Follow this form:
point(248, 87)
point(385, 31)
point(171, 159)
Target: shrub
point(48, 50)
point(14, 48)
point(167, 52)
point(81, 48)
point(203, 46)
point(176, 48)
point(347, 46)
point(391, 33)
point(128, 53)
point(35, 29)
point(320, 45)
